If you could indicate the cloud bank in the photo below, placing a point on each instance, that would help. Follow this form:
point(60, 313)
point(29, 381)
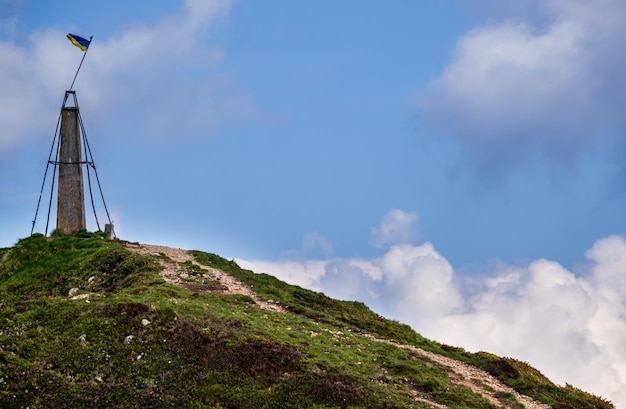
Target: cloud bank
point(546, 81)
point(568, 324)
point(396, 227)
point(166, 79)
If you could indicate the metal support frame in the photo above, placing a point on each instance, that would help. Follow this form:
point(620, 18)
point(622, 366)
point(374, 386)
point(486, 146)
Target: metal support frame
point(88, 162)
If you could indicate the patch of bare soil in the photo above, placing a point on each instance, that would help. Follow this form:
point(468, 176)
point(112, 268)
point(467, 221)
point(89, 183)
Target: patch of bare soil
point(212, 279)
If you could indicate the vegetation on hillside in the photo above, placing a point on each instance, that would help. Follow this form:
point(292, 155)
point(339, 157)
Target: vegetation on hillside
point(516, 374)
point(86, 323)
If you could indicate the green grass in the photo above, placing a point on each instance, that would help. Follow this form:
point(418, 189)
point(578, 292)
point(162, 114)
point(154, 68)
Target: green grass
point(520, 376)
point(316, 305)
point(529, 381)
point(200, 348)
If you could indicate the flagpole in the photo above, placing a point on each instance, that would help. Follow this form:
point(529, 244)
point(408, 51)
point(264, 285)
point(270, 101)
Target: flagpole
point(80, 65)
point(83, 45)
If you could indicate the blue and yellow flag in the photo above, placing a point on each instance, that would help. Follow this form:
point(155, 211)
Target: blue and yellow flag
point(79, 41)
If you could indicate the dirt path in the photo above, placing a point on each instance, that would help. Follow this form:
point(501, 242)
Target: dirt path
point(479, 381)
point(174, 273)
point(474, 378)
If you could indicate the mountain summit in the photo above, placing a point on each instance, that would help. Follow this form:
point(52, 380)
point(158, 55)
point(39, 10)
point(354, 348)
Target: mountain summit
point(96, 323)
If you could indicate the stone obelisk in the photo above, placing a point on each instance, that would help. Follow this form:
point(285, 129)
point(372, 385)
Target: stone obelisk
point(71, 194)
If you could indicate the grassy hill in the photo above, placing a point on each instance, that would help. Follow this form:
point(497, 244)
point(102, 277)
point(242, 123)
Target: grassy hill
point(86, 322)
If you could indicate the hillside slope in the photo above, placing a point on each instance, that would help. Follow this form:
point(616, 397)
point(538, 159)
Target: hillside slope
point(86, 322)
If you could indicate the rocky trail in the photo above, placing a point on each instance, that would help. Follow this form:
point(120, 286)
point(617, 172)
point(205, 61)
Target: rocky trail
point(174, 262)
point(175, 273)
point(476, 379)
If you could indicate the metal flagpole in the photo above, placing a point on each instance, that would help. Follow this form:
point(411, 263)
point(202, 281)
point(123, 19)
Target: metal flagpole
point(81, 61)
point(80, 65)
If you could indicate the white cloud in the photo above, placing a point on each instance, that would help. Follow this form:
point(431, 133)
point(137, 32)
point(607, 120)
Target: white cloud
point(529, 85)
point(314, 240)
point(395, 227)
point(163, 78)
point(203, 12)
point(21, 95)
point(302, 273)
point(417, 278)
point(571, 326)
point(314, 245)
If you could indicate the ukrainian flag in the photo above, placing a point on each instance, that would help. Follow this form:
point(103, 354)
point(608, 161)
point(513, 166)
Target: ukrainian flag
point(79, 41)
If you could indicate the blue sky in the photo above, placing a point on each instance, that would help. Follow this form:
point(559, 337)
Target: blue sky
point(451, 163)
